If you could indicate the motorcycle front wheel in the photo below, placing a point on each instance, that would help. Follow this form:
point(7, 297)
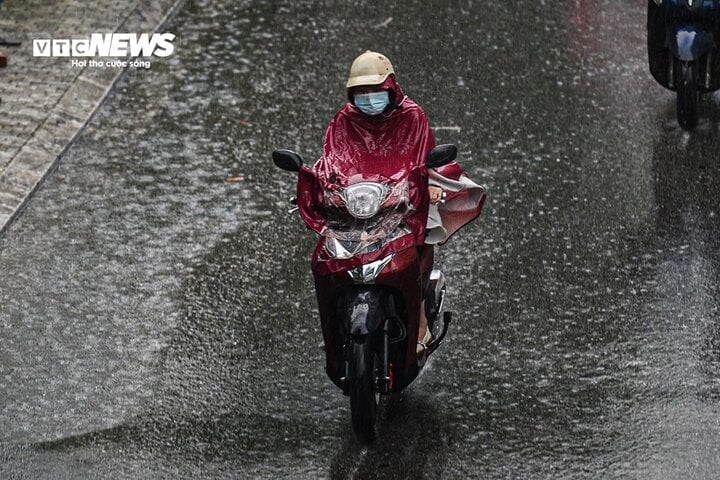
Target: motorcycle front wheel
point(363, 391)
point(688, 96)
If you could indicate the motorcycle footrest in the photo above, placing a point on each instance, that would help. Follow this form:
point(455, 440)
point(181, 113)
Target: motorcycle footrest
point(447, 318)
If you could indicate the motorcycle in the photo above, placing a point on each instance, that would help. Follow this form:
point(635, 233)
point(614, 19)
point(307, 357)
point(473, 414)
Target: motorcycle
point(370, 279)
point(682, 51)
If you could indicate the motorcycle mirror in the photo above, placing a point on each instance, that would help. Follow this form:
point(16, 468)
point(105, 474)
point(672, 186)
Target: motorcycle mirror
point(441, 155)
point(287, 160)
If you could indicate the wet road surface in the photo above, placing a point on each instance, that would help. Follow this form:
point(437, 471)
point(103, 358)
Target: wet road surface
point(158, 321)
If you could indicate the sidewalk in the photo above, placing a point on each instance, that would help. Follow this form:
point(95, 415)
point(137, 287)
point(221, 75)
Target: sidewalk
point(46, 102)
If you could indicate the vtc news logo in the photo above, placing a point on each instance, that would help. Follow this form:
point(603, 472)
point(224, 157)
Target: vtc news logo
point(107, 45)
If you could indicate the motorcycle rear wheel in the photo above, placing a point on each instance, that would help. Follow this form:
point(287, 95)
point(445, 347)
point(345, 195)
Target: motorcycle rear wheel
point(688, 96)
point(363, 395)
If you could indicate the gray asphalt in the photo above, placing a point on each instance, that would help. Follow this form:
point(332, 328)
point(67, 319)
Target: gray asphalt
point(158, 320)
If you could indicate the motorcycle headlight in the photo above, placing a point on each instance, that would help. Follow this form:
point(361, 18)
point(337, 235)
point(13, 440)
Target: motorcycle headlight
point(363, 200)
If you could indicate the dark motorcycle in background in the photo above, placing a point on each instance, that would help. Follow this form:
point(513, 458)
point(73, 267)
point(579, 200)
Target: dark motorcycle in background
point(371, 279)
point(683, 38)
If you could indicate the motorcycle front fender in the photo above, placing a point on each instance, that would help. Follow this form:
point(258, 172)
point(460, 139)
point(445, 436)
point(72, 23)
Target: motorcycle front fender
point(690, 42)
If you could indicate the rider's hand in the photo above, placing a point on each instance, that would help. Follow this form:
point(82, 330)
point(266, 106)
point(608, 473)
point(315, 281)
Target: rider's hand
point(436, 194)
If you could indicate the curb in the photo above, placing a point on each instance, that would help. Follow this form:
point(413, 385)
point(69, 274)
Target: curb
point(39, 156)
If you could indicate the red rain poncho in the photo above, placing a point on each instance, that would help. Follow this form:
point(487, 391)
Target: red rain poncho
point(392, 145)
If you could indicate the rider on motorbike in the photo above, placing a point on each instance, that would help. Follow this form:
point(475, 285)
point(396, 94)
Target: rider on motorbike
point(381, 131)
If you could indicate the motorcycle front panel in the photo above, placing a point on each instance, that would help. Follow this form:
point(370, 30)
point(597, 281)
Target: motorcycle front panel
point(339, 298)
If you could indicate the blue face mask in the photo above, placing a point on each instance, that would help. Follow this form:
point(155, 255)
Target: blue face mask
point(372, 103)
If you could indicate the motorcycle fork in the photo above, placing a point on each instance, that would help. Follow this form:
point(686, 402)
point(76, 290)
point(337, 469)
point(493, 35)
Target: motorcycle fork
point(708, 67)
point(386, 380)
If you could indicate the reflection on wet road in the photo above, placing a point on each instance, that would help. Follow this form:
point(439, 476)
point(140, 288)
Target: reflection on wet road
point(159, 321)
